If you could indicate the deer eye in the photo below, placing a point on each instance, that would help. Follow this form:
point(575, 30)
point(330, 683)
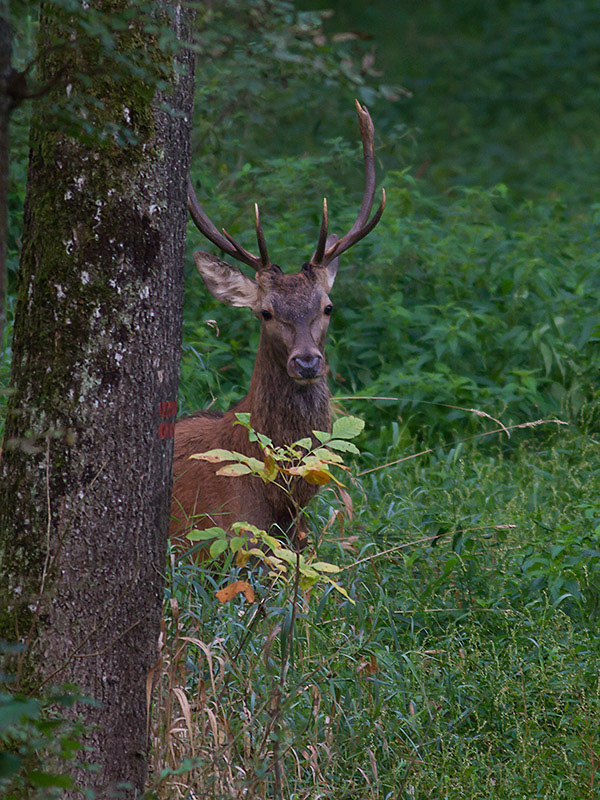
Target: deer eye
point(328, 309)
point(266, 315)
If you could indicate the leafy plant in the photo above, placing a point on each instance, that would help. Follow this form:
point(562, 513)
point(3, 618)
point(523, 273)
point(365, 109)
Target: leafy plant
point(568, 566)
point(37, 743)
point(308, 459)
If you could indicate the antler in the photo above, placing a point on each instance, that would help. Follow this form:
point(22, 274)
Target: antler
point(224, 241)
point(323, 255)
point(362, 225)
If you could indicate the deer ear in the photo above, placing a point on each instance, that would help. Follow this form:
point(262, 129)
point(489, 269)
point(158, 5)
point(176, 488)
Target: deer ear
point(330, 271)
point(225, 282)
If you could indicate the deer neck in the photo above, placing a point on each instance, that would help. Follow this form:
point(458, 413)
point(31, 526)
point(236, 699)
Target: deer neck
point(281, 408)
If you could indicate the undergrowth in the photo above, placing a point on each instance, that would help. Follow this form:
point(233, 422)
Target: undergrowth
point(465, 667)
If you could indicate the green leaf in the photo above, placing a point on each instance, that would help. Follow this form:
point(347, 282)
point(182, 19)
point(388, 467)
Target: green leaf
point(306, 443)
point(547, 356)
point(308, 572)
point(288, 556)
point(237, 543)
point(327, 455)
point(306, 582)
point(243, 418)
point(325, 566)
point(312, 461)
point(257, 552)
point(322, 436)
point(272, 542)
point(9, 764)
point(253, 463)
point(341, 590)
point(218, 547)
point(245, 527)
point(215, 456)
point(264, 440)
point(345, 447)
point(347, 427)
point(207, 533)
point(64, 781)
point(16, 709)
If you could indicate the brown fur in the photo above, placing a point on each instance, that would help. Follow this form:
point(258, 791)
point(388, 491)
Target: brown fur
point(280, 407)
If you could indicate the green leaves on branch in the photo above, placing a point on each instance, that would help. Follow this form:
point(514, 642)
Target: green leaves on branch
point(31, 726)
point(347, 428)
point(308, 459)
point(300, 459)
point(249, 542)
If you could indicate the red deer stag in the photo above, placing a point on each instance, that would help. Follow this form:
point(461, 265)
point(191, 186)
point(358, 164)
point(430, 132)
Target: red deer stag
point(288, 396)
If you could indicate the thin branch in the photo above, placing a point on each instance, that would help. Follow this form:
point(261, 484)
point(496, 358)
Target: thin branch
point(426, 539)
point(504, 429)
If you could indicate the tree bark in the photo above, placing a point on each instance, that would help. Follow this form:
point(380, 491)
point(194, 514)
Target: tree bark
point(5, 109)
point(86, 469)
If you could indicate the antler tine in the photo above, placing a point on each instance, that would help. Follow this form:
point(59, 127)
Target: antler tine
point(318, 254)
point(362, 225)
point(367, 133)
point(260, 238)
point(223, 241)
point(351, 238)
point(240, 253)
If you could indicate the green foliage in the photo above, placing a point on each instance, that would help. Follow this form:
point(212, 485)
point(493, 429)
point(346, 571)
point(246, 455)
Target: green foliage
point(37, 744)
point(498, 92)
point(467, 664)
point(130, 46)
point(272, 55)
point(249, 542)
point(490, 303)
point(308, 459)
point(480, 298)
point(567, 568)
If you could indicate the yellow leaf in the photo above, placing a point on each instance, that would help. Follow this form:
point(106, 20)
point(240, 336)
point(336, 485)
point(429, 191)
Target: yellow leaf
point(237, 587)
point(215, 456)
point(270, 467)
point(234, 470)
point(241, 558)
point(325, 566)
point(317, 477)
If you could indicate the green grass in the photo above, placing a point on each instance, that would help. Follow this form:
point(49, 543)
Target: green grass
point(467, 666)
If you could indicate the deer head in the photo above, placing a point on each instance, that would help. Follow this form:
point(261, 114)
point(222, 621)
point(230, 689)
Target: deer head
point(294, 308)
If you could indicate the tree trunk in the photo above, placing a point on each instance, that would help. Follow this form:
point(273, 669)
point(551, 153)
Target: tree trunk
point(86, 468)
point(5, 109)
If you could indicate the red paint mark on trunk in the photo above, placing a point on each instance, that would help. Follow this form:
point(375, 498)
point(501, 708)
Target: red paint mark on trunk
point(168, 408)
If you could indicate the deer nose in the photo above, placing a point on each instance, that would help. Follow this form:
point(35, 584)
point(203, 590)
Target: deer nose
point(308, 365)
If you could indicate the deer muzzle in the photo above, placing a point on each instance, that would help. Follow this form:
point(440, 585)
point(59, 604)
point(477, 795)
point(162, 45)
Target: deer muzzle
point(306, 367)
